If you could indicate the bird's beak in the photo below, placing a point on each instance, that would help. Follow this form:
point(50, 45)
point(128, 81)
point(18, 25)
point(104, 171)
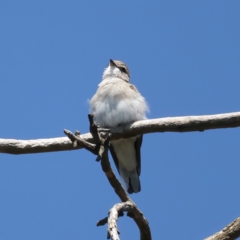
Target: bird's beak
point(112, 63)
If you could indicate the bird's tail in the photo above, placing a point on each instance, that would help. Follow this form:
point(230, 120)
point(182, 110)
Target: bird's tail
point(131, 179)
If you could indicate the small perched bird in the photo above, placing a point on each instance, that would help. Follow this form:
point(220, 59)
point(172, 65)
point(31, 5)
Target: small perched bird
point(117, 102)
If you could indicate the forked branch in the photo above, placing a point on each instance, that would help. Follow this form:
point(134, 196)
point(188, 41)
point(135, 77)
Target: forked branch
point(102, 138)
point(117, 211)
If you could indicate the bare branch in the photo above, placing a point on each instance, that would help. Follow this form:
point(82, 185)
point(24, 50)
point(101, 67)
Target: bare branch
point(77, 140)
point(230, 232)
point(171, 124)
point(101, 149)
point(134, 212)
point(117, 211)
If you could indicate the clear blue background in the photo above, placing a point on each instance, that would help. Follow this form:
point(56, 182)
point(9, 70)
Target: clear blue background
point(184, 57)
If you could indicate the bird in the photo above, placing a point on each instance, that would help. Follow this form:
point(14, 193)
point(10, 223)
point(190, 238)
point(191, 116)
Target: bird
point(116, 103)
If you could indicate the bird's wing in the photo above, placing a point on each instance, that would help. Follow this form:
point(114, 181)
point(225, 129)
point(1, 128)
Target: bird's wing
point(114, 156)
point(138, 145)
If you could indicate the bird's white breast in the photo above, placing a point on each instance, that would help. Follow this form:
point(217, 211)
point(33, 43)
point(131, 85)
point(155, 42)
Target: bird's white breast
point(117, 102)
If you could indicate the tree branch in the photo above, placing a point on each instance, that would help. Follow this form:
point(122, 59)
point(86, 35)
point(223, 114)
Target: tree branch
point(117, 211)
point(102, 138)
point(170, 124)
point(230, 232)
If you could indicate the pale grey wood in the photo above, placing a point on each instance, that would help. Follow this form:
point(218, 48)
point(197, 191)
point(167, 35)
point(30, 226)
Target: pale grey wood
point(230, 232)
point(13, 146)
point(170, 124)
point(130, 208)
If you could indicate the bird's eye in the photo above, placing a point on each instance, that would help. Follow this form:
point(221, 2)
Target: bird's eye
point(123, 69)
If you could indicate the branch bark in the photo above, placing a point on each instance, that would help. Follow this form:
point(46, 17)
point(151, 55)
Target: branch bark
point(117, 211)
point(230, 232)
point(170, 124)
point(101, 150)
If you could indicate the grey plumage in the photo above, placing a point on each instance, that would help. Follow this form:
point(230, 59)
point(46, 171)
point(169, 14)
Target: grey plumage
point(117, 102)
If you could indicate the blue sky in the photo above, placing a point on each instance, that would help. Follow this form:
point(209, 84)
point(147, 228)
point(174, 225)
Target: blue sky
point(184, 58)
